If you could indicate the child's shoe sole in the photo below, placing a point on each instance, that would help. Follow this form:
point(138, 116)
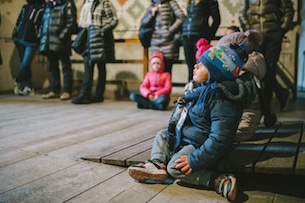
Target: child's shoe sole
point(142, 176)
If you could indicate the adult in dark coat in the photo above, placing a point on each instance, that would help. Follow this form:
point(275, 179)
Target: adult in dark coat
point(99, 17)
point(273, 19)
point(58, 24)
point(196, 25)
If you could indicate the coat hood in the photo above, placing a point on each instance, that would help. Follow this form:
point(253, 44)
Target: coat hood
point(252, 39)
point(242, 90)
point(256, 64)
point(160, 56)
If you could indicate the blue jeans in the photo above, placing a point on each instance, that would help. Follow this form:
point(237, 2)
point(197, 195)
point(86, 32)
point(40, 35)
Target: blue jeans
point(27, 52)
point(160, 151)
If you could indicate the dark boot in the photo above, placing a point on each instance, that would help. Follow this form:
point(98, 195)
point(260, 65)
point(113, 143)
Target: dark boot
point(283, 97)
point(80, 100)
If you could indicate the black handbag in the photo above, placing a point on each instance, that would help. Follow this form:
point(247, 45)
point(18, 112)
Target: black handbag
point(145, 32)
point(78, 45)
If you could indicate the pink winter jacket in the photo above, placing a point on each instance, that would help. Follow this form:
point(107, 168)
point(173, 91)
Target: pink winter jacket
point(156, 83)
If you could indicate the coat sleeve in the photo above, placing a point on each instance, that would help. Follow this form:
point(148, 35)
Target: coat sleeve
point(15, 30)
point(224, 117)
point(147, 17)
point(144, 87)
point(214, 8)
point(288, 13)
point(179, 17)
point(70, 17)
point(111, 17)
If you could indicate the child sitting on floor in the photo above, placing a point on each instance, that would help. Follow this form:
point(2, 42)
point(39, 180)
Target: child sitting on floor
point(156, 87)
point(201, 129)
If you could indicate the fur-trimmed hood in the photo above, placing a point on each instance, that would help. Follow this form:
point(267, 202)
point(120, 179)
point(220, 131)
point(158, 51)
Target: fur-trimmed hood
point(243, 89)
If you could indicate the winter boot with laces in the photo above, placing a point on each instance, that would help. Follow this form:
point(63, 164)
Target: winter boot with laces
point(148, 170)
point(226, 186)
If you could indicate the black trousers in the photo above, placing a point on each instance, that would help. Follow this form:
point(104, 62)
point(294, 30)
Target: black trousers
point(87, 83)
point(53, 59)
point(271, 49)
point(189, 46)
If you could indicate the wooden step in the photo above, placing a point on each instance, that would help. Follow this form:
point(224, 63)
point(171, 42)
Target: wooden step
point(276, 150)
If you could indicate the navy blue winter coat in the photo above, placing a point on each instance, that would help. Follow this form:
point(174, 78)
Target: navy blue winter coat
point(210, 123)
point(197, 23)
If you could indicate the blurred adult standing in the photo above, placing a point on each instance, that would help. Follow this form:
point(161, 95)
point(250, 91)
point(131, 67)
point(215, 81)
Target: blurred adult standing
point(99, 18)
point(58, 24)
point(197, 25)
point(26, 41)
point(273, 19)
point(168, 21)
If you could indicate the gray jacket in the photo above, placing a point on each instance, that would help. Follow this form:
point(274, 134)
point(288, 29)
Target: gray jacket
point(168, 22)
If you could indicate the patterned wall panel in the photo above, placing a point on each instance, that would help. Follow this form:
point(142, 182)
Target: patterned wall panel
point(130, 12)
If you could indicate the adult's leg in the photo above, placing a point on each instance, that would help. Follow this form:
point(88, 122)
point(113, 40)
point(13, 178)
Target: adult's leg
point(53, 69)
point(272, 54)
point(29, 54)
point(189, 46)
point(101, 82)
point(20, 48)
point(67, 72)
point(168, 65)
point(271, 49)
point(85, 90)
point(19, 78)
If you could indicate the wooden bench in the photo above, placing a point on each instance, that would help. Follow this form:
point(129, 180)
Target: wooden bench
point(277, 150)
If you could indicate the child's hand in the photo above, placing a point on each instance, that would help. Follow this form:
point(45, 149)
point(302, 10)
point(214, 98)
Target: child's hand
point(184, 165)
point(151, 97)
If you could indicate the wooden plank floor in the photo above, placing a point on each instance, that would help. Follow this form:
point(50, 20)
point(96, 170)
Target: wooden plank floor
point(42, 143)
point(276, 150)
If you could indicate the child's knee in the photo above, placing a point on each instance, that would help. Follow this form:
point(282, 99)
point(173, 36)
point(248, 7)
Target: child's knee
point(173, 171)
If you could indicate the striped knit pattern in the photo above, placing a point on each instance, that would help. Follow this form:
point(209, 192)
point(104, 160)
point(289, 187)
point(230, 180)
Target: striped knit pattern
point(165, 28)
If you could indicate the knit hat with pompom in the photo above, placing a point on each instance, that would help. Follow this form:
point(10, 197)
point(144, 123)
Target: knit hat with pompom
point(224, 62)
